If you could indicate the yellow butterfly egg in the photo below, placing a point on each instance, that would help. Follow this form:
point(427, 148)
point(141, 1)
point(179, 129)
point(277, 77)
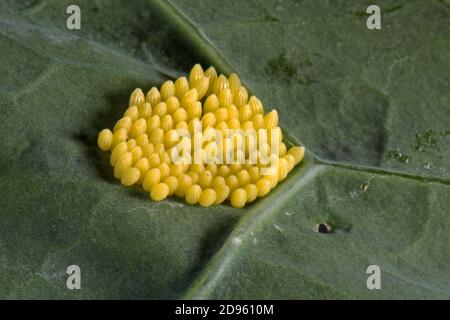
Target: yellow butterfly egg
point(193, 194)
point(271, 119)
point(298, 153)
point(123, 123)
point(142, 140)
point(220, 84)
point(154, 160)
point(189, 98)
point(119, 136)
point(205, 179)
point(199, 168)
point(160, 149)
point(247, 165)
point(247, 125)
point(234, 124)
point(245, 113)
point(283, 169)
point(132, 112)
point(254, 174)
point(182, 125)
point(193, 175)
point(147, 150)
point(131, 143)
point(152, 178)
point(171, 138)
point(123, 162)
point(166, 158)
point(222, 193)
point(138, 128)
point(180, 115)
point(211, 103)
point(137, 97)
point(233, 112)
point(181, 87)
point(105, 139)
point(172, 183)
point(240, 97)
point(195, 75)
point(238, 198)
point(263, 186)
point(172, 104)
point(143, 166)
point(243, 177)
point(235, 168)
point(164, 169)
point(258, 121)
point(211, 74)
point(208, 120)
point(273, 178)
point(221, 115)
point(193, 127)
point(232, 182)
point(118, 150)
point(234, 82)
point(202, 86)
point(252, 192)
point(167, 90)
point(208, 197)
point(159, 191)
point(153, 123)
point(224, 171)
point(225, 98)
point(194, 110)
point(130, 176)
point(176, 170)
point(136, 153)
point(153, 96)
point(166, 123)
point(256, 105)
point(212, 168)
point(291, 161)
point(157, 136)
point(218, 181)
point(160, 109)
point(282, 150)
point(145, 110)
point(222, 127)
point(184, 181)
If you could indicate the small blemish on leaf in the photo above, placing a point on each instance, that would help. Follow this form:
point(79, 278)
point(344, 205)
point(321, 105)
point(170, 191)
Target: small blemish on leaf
point(429, 140)
point(324, 228)
point(281, 68)
point(396, 155)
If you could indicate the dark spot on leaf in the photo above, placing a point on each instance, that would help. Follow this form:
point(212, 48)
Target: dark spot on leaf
point(285, 71)
point(324, 228)
point(271, 18)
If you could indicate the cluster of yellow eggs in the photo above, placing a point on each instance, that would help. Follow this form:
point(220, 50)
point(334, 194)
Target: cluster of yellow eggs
point(142, 140)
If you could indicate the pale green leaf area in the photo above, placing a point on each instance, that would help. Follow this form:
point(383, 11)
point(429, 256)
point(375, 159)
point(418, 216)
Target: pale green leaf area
point(371, 106)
